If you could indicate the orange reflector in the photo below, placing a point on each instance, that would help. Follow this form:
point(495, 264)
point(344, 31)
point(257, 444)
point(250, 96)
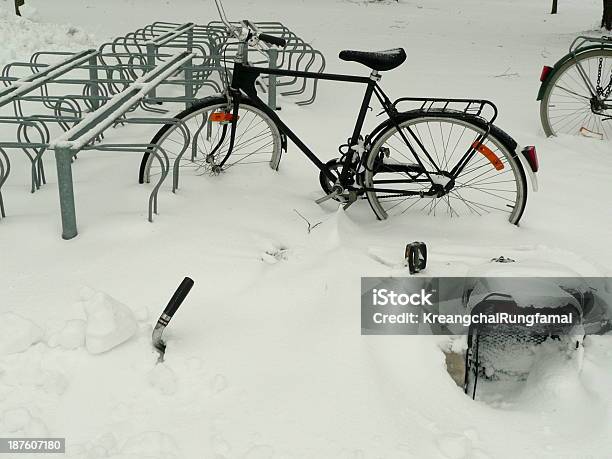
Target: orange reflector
point(219, 117)
point(488, 153)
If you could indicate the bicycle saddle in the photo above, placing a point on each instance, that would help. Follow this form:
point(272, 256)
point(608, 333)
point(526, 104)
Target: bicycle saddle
point(376, 60)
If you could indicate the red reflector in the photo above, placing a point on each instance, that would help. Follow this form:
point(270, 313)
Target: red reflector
point(545, 72)
point(532, 157)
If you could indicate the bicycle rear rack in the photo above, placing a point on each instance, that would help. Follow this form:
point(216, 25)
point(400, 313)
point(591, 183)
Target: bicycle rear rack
point(583, 40)
point(484, 109)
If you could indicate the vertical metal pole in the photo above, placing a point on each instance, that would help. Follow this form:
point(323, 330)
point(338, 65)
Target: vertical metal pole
point(93, 77)
point(151, 50)
point(189, 83)
point(63, 161)
point(5, 170)
point(273, 57)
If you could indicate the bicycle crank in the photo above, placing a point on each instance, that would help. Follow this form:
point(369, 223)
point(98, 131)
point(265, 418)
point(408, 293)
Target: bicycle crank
point(337, 194)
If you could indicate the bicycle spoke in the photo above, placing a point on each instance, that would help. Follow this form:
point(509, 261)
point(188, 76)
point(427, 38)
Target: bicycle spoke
point(254, 142)
point(479, 189)
point(571, 106)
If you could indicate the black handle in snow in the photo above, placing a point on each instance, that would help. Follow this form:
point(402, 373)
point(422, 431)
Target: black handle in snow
point(179, 296)
point(177, 299)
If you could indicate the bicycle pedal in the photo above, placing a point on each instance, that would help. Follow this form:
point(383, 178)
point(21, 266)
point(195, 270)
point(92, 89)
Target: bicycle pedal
point(347, 205)
point(331, 195)
point(416, 257)
point(351, 198)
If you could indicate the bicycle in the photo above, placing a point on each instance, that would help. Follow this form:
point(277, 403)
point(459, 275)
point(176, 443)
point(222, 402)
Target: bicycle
point(444, 157)
point(575, 92)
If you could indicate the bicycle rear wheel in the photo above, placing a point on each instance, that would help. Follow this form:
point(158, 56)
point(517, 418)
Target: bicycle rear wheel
point(492, 182)
point(568, 106)
point(258, 140)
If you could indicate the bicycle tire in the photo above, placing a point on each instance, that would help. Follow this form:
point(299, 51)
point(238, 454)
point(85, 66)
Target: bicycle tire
point(203, 106)
point(590, 121)
point(497, 140)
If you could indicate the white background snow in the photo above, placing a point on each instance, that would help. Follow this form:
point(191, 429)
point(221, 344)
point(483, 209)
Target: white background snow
point(265, 358)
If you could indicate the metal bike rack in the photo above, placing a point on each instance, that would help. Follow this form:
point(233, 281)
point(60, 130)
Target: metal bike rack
point(66, 101)
point(82, 136)
point(297, 55)
point(20, 90)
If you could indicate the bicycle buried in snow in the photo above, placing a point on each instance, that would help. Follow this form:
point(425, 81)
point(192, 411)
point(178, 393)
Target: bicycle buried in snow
point(444, 157)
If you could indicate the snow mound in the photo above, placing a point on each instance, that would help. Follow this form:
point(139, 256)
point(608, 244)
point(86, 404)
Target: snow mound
point(151, 445)
point(109, 322)
point(72, 336)
point(18, 333)
point(555, 376)
point(21, 36)
point(19, 422)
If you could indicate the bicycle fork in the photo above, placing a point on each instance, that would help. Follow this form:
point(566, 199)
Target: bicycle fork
point(227, 119)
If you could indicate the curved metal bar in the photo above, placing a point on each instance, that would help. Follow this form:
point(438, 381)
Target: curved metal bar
point(4, 173)
point(23, 138)
point(315, 84)
point(186, 135)
point(157, 151)
point(176, 166)
point(73, 108)
point(307, 67)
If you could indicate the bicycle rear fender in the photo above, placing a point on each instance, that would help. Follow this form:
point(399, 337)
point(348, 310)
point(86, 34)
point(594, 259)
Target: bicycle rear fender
point(544, 84)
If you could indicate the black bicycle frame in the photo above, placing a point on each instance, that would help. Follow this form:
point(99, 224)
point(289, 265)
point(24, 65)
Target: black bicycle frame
point(245, 76)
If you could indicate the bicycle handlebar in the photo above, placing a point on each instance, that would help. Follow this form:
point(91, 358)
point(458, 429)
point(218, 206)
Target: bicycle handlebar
point(272, 40)
point(253, 30)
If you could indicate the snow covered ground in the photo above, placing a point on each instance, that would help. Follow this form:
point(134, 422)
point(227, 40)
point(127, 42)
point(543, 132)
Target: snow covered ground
point(265, 358)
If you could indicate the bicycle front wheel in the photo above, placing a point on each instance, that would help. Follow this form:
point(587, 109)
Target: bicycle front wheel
point(492, 181)
point(568, 105)
point(206, 143)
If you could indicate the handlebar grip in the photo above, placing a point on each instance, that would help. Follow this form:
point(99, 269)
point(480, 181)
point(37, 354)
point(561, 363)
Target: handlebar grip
point(272, 40)
point(179, 296)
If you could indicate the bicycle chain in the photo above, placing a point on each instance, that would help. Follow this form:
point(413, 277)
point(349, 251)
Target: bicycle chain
point(604, 92)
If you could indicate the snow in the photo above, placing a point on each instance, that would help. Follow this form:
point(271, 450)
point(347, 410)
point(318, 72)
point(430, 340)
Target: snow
point(72, 335)
point(19, 422)
point(109, 322)
point(162, 378)
point(23, 36)
point(19, 333)
point(265, 359)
